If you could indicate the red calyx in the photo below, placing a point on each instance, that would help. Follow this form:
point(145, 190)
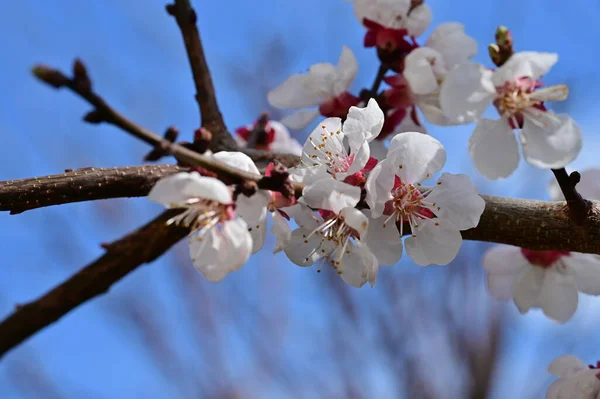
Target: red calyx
point(543, 259)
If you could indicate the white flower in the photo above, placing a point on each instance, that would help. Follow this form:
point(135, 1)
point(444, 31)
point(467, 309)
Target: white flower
point(542, 279)
point(548, 140)
point(219, 242)
point(546, 279)
point(426, 67)
point(325, 86)
point(337, 237)
point(253, 210)
point(576, 380)
point(435, 215)
point(327, 146)
point(588, 187)
point(276, 138)
point(394, 14)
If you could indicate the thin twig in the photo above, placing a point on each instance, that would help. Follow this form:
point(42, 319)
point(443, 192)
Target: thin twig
point(211, 117)
point(121, 257)
point(578, 207)
point(80, 83)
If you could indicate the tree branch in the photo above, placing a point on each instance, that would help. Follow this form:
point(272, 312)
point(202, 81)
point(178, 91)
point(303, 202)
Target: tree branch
point(577, 205)
point(81, 84)
point(211, 116)
point(121, 257)
point(525, 223)
point(78, 185)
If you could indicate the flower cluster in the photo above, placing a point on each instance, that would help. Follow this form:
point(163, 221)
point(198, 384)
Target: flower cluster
point(335, 227)
point(371, 175)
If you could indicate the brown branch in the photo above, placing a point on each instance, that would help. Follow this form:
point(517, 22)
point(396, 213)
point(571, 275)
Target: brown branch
point(525, 223)
point(211, 116)
point(81, 84)
point(78, 185)
point(121, 257)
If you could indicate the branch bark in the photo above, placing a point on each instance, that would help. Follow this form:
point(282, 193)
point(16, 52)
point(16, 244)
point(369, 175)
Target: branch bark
point(211, 117)
point(525, 223)
point(121, 257)
point(78, 185)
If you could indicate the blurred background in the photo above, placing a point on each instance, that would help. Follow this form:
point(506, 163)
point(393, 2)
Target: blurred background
point(271, 330)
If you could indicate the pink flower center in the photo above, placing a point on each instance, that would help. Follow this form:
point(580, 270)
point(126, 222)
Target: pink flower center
point(338, 106)
point(264, 138)
point(543, 259)
point(409, 204)
point(388, 39)
point(515, 97)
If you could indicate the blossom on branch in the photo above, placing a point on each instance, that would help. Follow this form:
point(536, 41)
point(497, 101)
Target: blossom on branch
point(550, 279)
point(548, 140)
point(335, 237)
point(219, 240)
point(388, 21)
point(342, 150)
point(435, 214)
point(324, 86)
point(576, 379)
point(273, 136)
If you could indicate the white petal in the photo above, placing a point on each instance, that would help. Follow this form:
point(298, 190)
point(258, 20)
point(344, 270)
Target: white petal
point(586, 270)
point(558, 297)
point(384, 241)
point(322, 78)
point(237, 160)
point(174, 190)
point(304, 216)
point(566, 365)
point(363, 123)
point(281, 230)
point(361, 154)
point(504, 265)
point(588, 187)
point(553, 142)
point(524, 64)
point(358, 266)
point(331, 128)
point(346, 69)
point(378, 149)
point(456, 199)
point(494, 149)
point(331, 194)
point(430, 106)
point(505, 259)
point(450, 40)
point(304, 250)
point(528, 287)
point(466, 92)
point(581, 385)
point(422, 67)
point(283, 142)
point(253, 209)
point(437, 242)
point(418, 20)
point(416, 156)
point(216, 255)
point(300, 119)
point(357, 220)
point(258, 233)
point(308, 175)
point(295, 92)
point(379, 187)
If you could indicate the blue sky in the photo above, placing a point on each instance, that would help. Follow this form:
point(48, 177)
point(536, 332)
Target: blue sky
point(135, 56)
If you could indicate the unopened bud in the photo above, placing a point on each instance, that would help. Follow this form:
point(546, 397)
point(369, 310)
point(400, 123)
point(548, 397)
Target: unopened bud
point(94, 117)
point(502, 50)
point(80, 76)
point(202, 139)
point(50, 76)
